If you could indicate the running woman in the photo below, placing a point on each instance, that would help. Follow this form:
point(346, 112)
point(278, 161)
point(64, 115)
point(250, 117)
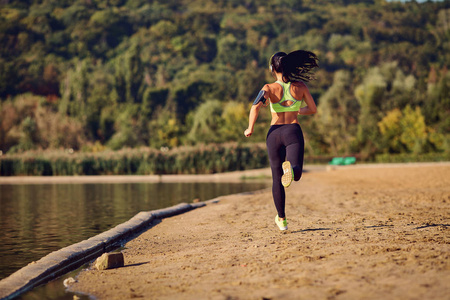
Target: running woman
point(285, 143)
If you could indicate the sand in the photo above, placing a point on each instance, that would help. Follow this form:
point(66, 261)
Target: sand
point(359, 232)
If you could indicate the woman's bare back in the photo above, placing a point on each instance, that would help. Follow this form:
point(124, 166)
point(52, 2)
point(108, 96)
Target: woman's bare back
point(275, 91)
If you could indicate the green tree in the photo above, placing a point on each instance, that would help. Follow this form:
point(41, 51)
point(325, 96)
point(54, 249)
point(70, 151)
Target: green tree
point(165, 130)
point(370, 95)
point(17, 125)
point(251, 80)
point(75, 90)
point(337, 113)
point(129, 75)
point(28, 137)
point(414, 130)
point(133, 74)
point(391, 131)
point(234, 121)
point(234, 53)
point(8, 120)
point(436, 106)
point(188, 97)
point(107, 121)
point(406, 131)
point(207, 123)
point(125, 130)
point(56, 130)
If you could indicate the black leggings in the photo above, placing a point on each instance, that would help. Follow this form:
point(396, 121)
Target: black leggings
point(284, 142)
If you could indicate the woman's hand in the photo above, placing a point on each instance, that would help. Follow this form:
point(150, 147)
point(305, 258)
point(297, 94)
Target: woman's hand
point(248, 132)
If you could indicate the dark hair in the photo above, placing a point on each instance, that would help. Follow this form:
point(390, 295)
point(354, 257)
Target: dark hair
point(295, 66)
point(275, 62)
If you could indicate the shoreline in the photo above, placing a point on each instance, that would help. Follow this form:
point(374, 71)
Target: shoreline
point(371, 232)
point(60, 262)
point(234, 176)
point(67, 259)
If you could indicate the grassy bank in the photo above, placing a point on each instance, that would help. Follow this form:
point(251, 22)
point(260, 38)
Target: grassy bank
point(142, 161)
point(408, 157)
point(207, 159)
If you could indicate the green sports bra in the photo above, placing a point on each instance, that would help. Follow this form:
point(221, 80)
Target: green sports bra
point(278, 107)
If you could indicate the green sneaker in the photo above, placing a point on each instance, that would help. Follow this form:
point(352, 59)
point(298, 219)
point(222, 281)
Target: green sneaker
point(288, 174)
point(282, 224)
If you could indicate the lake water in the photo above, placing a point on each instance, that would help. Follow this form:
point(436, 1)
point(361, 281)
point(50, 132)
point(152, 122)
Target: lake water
point(37, 219)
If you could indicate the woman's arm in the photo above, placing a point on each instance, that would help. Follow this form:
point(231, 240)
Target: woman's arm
point(254, 111)
point(310, 107)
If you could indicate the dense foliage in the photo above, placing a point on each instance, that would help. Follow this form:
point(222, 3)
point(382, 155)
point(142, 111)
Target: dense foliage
point(94, 75)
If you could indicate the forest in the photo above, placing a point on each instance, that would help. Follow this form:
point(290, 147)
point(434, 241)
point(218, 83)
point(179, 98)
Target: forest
point(91, 76)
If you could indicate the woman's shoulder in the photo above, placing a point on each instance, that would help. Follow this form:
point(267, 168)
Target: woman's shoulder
point(271, 86)
point(298, 84)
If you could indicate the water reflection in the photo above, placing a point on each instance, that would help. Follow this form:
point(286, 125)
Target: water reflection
point(38, 219)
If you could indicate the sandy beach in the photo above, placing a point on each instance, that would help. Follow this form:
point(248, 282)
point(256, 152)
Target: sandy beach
point(354, 233)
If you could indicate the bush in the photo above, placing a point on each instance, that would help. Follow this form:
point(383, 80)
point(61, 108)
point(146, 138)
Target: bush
point(208, 159)
point(409, 157)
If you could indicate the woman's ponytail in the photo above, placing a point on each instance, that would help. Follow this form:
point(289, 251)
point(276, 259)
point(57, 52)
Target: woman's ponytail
point(297, 65)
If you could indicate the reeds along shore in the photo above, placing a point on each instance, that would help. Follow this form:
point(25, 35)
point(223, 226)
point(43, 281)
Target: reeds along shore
point(205, 159)
point(208, 159)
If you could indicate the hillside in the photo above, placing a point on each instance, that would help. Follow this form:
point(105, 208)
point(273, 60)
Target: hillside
point(90, 75)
